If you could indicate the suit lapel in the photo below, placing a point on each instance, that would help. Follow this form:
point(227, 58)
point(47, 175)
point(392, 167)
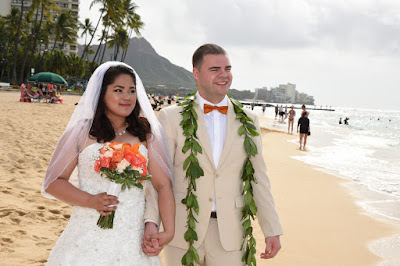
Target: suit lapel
point(202, 133)
point(230, 133)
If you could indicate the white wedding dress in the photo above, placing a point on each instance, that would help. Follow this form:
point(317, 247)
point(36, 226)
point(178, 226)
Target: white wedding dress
point(84, 243)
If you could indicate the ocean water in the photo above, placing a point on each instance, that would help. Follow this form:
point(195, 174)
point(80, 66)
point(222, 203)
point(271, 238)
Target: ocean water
point(366, 152)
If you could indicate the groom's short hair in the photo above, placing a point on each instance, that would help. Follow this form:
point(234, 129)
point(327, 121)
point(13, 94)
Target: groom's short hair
point(204, 50)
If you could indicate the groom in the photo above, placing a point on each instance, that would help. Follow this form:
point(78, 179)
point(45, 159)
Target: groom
point(219, 228)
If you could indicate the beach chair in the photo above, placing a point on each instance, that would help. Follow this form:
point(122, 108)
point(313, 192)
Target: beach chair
point(36, 96)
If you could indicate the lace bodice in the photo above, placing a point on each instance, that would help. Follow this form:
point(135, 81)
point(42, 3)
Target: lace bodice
point(84, 243)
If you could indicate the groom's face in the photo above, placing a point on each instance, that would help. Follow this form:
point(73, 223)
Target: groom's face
point(214, 77)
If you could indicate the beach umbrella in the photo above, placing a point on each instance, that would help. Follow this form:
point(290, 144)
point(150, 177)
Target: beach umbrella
point(48, 77)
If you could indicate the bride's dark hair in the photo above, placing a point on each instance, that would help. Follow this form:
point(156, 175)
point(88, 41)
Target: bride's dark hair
point(102, 128)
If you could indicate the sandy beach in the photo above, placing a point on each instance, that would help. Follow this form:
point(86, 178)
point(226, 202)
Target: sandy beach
point(323, 225)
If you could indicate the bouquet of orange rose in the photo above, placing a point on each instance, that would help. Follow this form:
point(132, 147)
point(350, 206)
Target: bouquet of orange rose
point(125, 167)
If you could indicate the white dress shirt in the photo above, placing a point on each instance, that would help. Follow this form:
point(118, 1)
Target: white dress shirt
point(216, 130)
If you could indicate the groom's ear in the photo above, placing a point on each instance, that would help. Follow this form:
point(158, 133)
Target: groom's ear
point(195, 73)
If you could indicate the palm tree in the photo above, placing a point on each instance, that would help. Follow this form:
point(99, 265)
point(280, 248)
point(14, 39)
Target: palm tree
point(16, 43)
point(111, 10)
point(133, 22)
point(60, 22)
point(5, 37)
point(118, 40)
point(69, 32)
point(36, 5)
point(87, 28)
point(46, 7)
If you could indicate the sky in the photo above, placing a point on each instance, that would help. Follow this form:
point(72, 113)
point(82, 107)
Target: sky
point(344, 53)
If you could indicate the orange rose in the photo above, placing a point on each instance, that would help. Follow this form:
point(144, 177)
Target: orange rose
point(138, 160)
point(118, 155)
point(126, 146)
point(105, 162)
point(113, 165)
point(97, 166)
point(129, 155)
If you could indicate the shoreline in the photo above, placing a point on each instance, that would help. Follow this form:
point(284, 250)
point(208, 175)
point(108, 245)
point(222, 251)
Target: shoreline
point(322, 223)
point(386, 245)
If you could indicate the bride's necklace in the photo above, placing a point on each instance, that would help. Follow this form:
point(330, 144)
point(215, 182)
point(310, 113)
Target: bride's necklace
point(123, 131)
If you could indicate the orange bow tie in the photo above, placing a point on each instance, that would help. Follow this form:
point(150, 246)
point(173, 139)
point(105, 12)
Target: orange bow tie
point(221, 109)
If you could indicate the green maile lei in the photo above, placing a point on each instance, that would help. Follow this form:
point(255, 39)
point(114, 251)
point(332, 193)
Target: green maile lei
point(194, 171)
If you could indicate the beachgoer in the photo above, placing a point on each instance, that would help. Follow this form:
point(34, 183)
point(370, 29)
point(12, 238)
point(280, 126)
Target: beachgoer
point(286, 112)
point(281, 114)
point(276, 111)
point(252, 105)
point(24, 97)
point(346, 121)
point(304, 125)
point(113, 108)
point(340, 121)
point(292, 114)
point(263, 107)
point(303, 107)
point(218, 224)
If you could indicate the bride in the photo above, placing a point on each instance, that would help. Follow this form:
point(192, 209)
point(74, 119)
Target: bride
point(113, 108)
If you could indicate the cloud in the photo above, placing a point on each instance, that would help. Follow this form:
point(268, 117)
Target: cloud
point(342, 52)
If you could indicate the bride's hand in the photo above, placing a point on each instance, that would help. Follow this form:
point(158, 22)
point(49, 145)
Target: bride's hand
point(101, 201)
point(163, 238)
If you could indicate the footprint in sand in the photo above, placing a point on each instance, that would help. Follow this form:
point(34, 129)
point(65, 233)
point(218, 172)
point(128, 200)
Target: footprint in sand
point(16, 220)
point(67, 216)
point(20, 213)
point(41, 207)
point(21, 232)
point(55, 211)
point(4, 213)
point(6, 192)
point(12, 180)
point(7, 240)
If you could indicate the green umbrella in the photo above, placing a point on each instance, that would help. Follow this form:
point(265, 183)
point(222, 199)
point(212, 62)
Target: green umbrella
point(48, 77)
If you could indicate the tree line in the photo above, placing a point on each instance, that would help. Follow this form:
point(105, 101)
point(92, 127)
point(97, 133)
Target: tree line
point(34, 37)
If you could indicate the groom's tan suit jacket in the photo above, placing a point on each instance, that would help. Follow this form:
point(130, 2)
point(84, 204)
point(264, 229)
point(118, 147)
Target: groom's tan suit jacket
point(223, 182)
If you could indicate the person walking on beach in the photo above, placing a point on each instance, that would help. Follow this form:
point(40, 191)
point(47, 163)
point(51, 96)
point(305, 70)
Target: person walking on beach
point(263, 107)
point(304, 125)
point(281, 114)
point(218, 194)
point(276, 111)
point(292, 114)
point(113, 114)
point(303, 107)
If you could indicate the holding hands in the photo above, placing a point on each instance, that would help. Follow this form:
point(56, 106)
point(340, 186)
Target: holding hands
point(153, 241)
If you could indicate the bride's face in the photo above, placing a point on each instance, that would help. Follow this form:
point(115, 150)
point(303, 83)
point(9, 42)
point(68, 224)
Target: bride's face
point(120, 97)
